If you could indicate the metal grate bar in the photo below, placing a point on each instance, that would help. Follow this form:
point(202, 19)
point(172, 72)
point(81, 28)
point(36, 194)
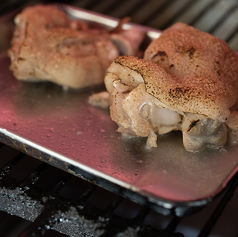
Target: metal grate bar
point(209, 20)
point(160, 21)
point(140, 218)
point(100, 6)
point(174, 17)
point(223, 18)
point(202, 12)
point(83, 3)
point(109, 9)
point(229, 27)
point(194, 12)
point(5, 170)
point(148, 11)
point(126, 8)
point(60, 184)
point(34, 177)
point(115, 202)
point(233, 40)
point(171, 227)
point(88, 4)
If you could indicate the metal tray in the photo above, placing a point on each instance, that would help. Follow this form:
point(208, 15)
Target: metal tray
point(60, 127)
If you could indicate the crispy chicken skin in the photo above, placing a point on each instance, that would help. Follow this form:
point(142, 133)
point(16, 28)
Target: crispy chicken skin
point(188, 81)
point(47, 45)
point(205, 68)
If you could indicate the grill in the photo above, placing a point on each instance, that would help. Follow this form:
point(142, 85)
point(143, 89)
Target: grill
point(45, 201)
point(37, 199)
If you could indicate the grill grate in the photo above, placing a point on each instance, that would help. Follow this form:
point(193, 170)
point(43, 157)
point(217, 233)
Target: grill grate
point(74, 207)
point(47, 199)
point(71, 213)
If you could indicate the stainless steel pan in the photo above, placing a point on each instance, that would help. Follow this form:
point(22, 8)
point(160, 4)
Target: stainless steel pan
point(60, 127)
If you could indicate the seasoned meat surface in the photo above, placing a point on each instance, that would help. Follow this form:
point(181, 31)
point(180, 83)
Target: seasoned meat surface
point(145, 102)
point(47, 45)
point(204, 66)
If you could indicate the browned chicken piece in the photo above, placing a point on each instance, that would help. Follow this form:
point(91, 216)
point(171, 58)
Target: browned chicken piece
point(205, 68)
point(137, 112)
point(188, 81)
point(47, 45)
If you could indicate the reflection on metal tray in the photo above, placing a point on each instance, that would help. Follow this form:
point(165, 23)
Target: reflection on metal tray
point(62, 129)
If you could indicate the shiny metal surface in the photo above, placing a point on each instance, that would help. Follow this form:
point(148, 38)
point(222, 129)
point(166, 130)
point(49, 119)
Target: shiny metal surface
point(60, 127)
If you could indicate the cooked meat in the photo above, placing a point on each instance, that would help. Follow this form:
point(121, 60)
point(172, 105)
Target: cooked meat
point(47, 45)
point(147, 99)
point(136, 111)
point(200, 131)
point(204, 66)
point(100, 99)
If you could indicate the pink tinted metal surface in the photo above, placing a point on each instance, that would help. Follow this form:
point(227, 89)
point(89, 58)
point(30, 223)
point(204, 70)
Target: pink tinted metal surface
point(63, 122)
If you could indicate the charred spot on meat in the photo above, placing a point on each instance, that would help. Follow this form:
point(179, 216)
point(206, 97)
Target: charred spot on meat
point(187, 81)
